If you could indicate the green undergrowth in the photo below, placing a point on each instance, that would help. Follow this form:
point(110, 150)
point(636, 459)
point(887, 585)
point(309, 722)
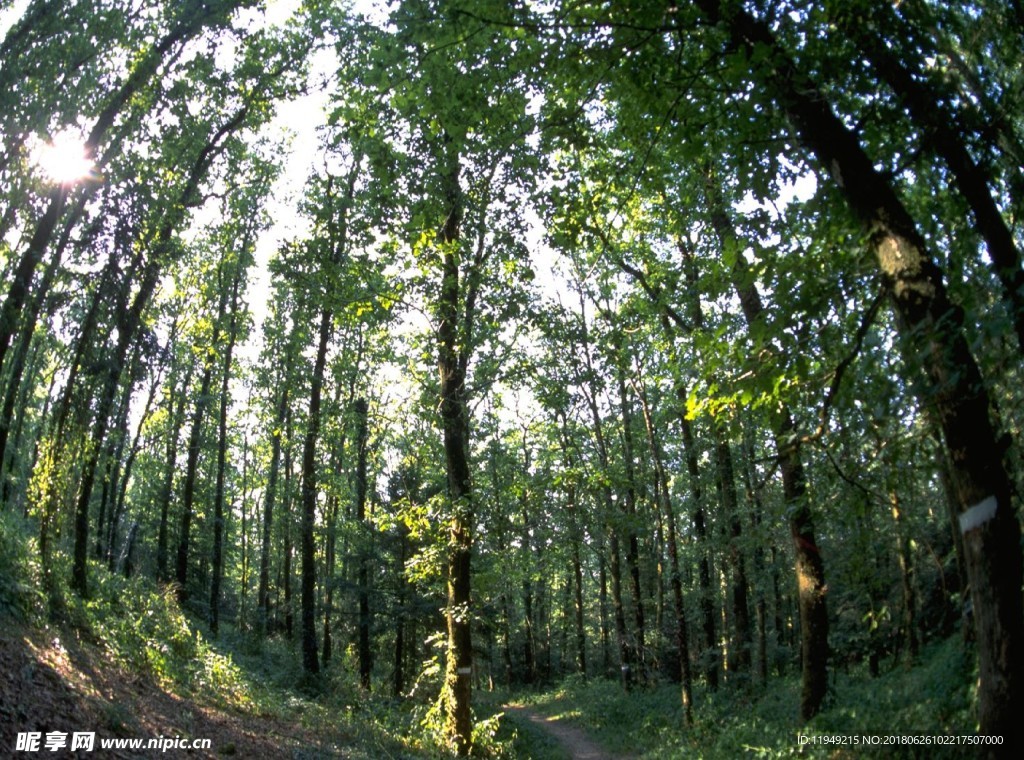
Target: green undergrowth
point(935, 697)
point(21, 597)
point(142, 627)
point(139, 626)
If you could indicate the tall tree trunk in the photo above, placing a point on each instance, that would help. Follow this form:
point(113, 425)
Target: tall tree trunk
point(757, 510)
point(310, 659)
point(222, 452)
point(327, 649)
point(110, 461)
point(740, 651)
point(401, 612)
point(581, 634)
point(17, 398)
point(810, 570)
point(128, 324)
point(526, 547)
point(276, 431)
point(615, 558)
point(712, 656)
point(245, 541)
point(129, 464)
point(453, 358)
point(362, 438)
point(286, 516)
point(675, 578)
point(633, 542)
point(572, 508)
point(195, 445)
point(177, 397)
point(905, 561)
point(602, 601)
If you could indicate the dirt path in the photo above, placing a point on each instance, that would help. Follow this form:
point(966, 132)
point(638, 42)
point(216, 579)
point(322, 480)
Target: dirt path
point(573, 740)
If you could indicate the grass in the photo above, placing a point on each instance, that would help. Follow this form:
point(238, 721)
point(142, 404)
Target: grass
point(932, 698)
point(141, 627)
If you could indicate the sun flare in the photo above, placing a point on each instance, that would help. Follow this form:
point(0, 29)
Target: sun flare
point(64, 159)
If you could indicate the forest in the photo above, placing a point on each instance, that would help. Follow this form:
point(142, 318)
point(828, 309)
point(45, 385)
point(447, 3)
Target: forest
point(415, 371)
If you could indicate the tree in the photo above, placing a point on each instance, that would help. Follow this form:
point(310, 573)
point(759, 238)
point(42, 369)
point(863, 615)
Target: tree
point(934, 330)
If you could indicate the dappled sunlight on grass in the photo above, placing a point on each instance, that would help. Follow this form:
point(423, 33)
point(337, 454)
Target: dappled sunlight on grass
point(935, 697)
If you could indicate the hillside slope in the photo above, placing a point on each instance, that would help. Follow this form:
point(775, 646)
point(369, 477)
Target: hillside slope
point(52, 681)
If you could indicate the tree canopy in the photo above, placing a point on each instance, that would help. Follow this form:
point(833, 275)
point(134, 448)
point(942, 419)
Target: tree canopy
point(647, 342)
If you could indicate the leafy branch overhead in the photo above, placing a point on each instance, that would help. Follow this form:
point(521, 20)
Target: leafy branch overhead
point(654, 355)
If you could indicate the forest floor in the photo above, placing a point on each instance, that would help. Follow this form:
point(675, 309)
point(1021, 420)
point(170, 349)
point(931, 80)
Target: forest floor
point(572, 740)
point(53, 681)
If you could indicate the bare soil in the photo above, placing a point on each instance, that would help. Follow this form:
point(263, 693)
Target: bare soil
point(50, 681)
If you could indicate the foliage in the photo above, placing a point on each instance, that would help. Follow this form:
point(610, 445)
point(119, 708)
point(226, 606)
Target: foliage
point(21, 588)
point(574, 344)
point(145, 630)
point(931, 698)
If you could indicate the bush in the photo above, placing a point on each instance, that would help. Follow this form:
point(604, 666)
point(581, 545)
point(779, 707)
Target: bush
point(143, 627)
point(20, 575)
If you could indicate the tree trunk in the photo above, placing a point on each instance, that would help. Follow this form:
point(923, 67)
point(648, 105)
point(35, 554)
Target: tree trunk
point(174, 423)
point(286, 571)
point(526, 547)
point(362, 438)
point(810, 571)
point(128, 323)
point(401, 612)
point(194, 449)
point(712, 656)
point(757, 510)
point(905, 561)
point(943, 135)
point(222, 451)
point(310, 659)
point(676, 581)
point(453, 358)
point(129, 464)
point(633, 543)
point(277, 430)
point(602, 582)
point(615, 558)
point(740, 651)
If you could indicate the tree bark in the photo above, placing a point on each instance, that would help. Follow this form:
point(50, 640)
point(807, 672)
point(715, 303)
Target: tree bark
point(614, 564)
point(217, 569)
point(452, 364)
point(188, 496)
point(633, 543)
point(362, 438)
point(128, 323)
point(739, 659)
point(675, 577)
point(310, 659)
point(942, 133)
point(276, 432)
point(175, 421)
